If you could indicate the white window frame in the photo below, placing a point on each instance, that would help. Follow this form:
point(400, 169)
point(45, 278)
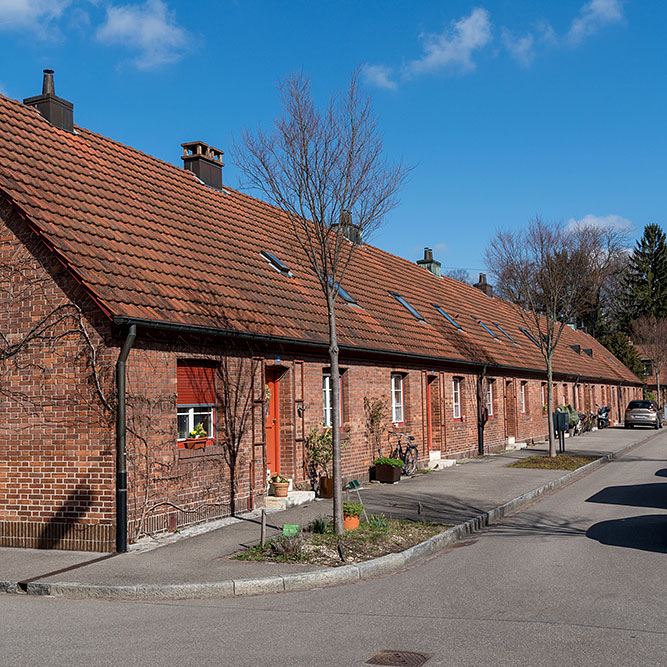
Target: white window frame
point(523, 398)
point(489, 398)
point(397, 398)
point(191, 411)
point(456, 398)
point(327, 398)
point(544, 395)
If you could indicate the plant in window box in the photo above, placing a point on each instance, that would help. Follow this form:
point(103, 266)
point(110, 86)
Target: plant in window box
point(351, 514)
point(198, 438)
point(279, 485)
point(388, 470)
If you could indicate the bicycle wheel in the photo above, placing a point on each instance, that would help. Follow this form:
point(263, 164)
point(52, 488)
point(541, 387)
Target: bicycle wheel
point(397, 454)
point(410, 461)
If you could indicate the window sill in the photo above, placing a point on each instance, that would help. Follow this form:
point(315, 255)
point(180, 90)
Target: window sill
point(199, 454)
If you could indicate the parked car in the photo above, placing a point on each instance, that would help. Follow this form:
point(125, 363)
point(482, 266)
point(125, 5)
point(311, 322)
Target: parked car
point(642, 413)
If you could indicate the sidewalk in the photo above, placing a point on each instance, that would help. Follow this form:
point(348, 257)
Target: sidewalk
point(200, 565)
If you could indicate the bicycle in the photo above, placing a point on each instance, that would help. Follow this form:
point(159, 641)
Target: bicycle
point(409, 456)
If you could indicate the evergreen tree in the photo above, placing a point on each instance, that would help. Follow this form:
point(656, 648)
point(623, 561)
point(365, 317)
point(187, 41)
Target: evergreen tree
point(619, 345)
point(645, 284)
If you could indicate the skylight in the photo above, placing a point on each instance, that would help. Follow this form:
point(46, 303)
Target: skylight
point(346, 297)
point(484, 326)
point(529, 335)
point(505, 332)
point(451, 320)
point(276, 263)
point(406, 305)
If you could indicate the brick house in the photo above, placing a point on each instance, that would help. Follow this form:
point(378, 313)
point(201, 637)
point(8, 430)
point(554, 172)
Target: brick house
point(133, 290)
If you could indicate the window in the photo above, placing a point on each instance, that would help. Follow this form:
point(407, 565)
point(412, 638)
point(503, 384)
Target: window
point(524, 401)
point(489, 398)
point(276, 263)
point(456, 398)
point(327, 397)
point(529, 335)
point(505, 332)
point(451, 320)
point(397, 386)
point(544, 395)
point(196, 398)
point(484, 326)
point(342, 293)
point(406, 305)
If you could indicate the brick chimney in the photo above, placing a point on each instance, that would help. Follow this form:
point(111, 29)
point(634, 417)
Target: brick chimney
point(483, 285)
point(204, 161)
point(430, 264)
point(59, 112)
point(350, 231)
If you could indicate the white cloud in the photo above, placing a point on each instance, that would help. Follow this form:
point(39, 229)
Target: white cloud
point(593, 16)
point(149, 29)
point(454, 46)
point(379, 76)
point(603, 221)
point(33, 15)
point(520, 48)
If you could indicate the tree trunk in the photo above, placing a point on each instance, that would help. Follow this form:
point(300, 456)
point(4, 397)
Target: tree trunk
point(550, 404)
point(335, 418)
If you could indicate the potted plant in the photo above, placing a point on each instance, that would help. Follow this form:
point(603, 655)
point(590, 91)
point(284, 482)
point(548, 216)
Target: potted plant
point(319, 452)
point(279, 485)
point(351, 514)
point(197, 438)
point(388, 470)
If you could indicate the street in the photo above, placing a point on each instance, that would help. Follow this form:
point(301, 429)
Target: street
point(576, 578)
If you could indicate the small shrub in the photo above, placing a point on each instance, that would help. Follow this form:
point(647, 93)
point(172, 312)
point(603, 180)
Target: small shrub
point(386, 460)
point(352, 509)
point(319, 526)
point(378, 522)
point(287, 547)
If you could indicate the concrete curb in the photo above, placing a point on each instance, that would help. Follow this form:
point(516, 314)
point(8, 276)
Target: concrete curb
point(319, 578)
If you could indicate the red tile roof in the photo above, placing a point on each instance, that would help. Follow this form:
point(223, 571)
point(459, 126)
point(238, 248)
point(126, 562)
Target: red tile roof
point(152, 242)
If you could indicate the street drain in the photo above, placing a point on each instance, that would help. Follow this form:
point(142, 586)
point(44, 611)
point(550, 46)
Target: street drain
point(399, 658)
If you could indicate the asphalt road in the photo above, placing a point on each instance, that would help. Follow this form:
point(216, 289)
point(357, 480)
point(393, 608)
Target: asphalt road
point(578, 578)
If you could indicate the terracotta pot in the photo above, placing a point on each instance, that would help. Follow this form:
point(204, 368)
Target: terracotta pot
point(195, 443)
point(387, 474)
point(351, 522)
point(326, 487)
point(280, 489)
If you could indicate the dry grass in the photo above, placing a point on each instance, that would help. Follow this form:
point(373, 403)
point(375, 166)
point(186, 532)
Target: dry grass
point(558, 462)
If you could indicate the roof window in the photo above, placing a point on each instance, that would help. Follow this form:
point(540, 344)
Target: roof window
point(484, 326)
point(406, 305)
point(451, 320)
point(505, 332)
point(529, 335)
point(343, 293)
point(276, 263)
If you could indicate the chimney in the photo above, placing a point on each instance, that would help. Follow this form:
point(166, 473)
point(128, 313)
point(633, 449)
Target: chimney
point(204, 161)
point(351, 231)
point(429, 263)
point(483, 285)
point(59, 112)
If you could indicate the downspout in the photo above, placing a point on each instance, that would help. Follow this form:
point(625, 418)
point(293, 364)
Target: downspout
point(121, 430)
point(482, 414)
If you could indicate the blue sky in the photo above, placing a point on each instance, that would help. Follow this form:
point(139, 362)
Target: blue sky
point(507, 108)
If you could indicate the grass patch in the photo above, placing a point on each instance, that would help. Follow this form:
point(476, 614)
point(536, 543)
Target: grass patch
point(379, 537)
point(558, 462)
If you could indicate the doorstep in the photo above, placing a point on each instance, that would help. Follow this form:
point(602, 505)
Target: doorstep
point(293, 499)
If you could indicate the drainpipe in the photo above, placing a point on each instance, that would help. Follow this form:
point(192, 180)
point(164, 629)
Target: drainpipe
point(482, 415)
point(121, 429)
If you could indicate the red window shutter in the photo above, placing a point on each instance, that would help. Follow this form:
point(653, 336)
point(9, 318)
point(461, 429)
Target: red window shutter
point(196, 383)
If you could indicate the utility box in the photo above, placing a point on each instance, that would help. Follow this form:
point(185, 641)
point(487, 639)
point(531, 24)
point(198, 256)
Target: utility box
point(561, 422)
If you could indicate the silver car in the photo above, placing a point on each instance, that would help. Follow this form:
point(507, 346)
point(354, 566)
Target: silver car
point(642, 413)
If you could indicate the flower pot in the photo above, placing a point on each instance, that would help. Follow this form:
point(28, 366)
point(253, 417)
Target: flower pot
point(387, 474)
point(280, 489)
point(195, 443)
point(326, 487)
point(351, 522)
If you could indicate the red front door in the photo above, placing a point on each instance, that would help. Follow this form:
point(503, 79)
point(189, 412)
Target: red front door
point(273, 421)
point(429, 414)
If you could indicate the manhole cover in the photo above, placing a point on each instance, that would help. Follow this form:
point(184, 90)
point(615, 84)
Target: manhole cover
point(400, 658)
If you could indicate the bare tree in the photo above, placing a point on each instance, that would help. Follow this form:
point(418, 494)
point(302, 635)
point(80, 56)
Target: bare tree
point(543, 269)
point(651, 333)
point(326, 171)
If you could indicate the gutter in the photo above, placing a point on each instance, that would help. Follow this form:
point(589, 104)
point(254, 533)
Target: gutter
point(123, 321)
point(121, 431)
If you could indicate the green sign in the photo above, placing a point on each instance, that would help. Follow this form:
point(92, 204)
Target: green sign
point(290, 529)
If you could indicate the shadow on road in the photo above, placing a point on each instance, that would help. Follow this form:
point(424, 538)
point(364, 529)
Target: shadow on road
point(633, 495)
point(661, 473)
point(647, 533)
